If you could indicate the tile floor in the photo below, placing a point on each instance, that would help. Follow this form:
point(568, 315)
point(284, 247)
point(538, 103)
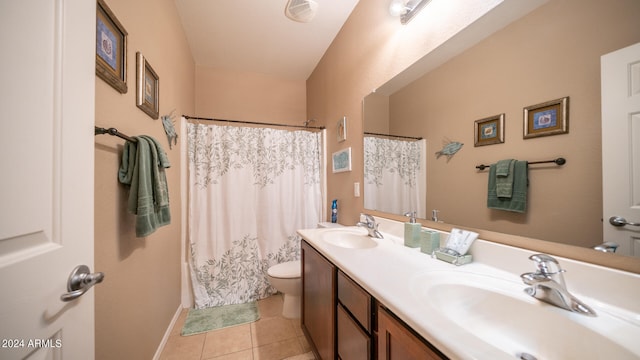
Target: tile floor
point(272, 337)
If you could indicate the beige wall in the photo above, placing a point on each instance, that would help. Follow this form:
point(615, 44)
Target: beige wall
point(478, 84)
point(247, 96)
point(377, 114)
point(141, 290)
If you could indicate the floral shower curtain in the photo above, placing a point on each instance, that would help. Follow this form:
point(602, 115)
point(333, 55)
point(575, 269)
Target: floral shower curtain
point(250, 189)
point(395, 175)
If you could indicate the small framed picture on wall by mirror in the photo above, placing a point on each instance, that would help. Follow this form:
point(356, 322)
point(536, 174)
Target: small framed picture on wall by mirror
point(342, 129)
point(341, 160)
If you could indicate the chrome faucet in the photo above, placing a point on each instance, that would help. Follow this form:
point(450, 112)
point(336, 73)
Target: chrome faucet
point(608, 246)
point(371, 226)
point(434, 215)
point(547, 284)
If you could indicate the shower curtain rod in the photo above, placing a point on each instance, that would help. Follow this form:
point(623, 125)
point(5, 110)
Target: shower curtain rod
point(395, 136)
point(254, 123)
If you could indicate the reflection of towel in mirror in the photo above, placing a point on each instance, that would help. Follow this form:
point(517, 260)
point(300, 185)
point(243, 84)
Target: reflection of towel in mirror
point(142, 168)
point(518, 200)
point(504, 178)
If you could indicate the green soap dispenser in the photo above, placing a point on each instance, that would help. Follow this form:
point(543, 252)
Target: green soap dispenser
point(412, 231)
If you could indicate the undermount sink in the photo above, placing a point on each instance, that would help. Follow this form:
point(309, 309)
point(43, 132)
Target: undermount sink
point(349, 237)
point(495, 314)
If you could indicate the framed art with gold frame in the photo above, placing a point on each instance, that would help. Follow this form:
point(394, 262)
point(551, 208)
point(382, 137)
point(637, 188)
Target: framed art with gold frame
point(548, 118)
point(111, 48)
point(147, 87)
point(489, 130)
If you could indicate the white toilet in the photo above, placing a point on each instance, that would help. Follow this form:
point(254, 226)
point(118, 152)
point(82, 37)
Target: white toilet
point(286, 277)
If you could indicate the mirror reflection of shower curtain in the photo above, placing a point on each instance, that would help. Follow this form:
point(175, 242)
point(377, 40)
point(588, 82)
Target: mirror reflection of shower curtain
point(395, 177)
point(250, 189)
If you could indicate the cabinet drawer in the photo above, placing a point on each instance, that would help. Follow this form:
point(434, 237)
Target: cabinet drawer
point(353, 342)
point(355, 299)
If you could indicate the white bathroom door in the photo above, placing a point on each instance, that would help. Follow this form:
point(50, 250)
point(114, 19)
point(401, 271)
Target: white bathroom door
point(621, 147)
point(47, 87)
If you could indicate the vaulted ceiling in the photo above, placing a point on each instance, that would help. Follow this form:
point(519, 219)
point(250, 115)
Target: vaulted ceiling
point(256, 36)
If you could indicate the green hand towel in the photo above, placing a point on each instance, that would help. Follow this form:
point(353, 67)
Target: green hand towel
point(518, 200)
point(504, 167)
point(142, 168)
point(504, 178)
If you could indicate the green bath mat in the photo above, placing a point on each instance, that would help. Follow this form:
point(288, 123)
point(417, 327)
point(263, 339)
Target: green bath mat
point(203, 320)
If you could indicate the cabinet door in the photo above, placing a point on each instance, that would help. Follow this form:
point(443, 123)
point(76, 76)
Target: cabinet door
point(319, 302)
point(353, 342)
point(396, 342)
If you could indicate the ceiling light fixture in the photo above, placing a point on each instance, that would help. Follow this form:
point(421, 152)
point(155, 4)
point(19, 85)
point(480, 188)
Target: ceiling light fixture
point(406, 9)
point(301, 10)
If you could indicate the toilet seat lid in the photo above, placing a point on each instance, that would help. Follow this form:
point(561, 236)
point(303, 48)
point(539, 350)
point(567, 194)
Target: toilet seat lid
point(285, 270)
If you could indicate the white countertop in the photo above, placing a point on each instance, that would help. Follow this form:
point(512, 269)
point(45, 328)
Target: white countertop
point(388, 272)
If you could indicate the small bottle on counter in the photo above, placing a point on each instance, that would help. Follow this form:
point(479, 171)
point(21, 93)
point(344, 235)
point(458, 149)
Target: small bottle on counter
point(334, 211)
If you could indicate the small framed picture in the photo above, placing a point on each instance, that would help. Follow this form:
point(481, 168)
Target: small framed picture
point(342, 129)
point(489, 130)
point(147, 87)
point(549, 118)
point(111, 48)
point(341, 160)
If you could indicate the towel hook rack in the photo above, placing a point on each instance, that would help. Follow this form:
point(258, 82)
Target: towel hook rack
point(559, 161)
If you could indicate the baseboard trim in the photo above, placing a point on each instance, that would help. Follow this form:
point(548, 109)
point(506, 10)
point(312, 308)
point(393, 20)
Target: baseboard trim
point(167, 333)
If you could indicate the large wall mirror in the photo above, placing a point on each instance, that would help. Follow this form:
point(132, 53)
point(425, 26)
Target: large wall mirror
point(549, 54)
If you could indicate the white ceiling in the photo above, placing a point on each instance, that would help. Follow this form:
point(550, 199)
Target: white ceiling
point(255, 35)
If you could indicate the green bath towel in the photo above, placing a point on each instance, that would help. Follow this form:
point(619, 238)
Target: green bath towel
point(142, 168)
point(518, 200)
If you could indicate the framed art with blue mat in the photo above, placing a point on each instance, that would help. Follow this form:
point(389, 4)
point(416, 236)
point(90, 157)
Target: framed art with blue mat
point(548, 118)
point(111, 48)
point(489, 130)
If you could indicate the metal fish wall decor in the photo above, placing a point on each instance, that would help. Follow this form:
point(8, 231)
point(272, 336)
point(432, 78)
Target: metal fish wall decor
point(449, 149)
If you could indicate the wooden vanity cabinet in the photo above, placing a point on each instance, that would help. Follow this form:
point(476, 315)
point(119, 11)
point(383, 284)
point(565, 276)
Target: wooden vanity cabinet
point(343, 321)
point(318, 302)
point(397, 342)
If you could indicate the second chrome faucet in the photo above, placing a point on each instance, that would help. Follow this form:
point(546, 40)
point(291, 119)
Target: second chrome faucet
point(547, 284)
